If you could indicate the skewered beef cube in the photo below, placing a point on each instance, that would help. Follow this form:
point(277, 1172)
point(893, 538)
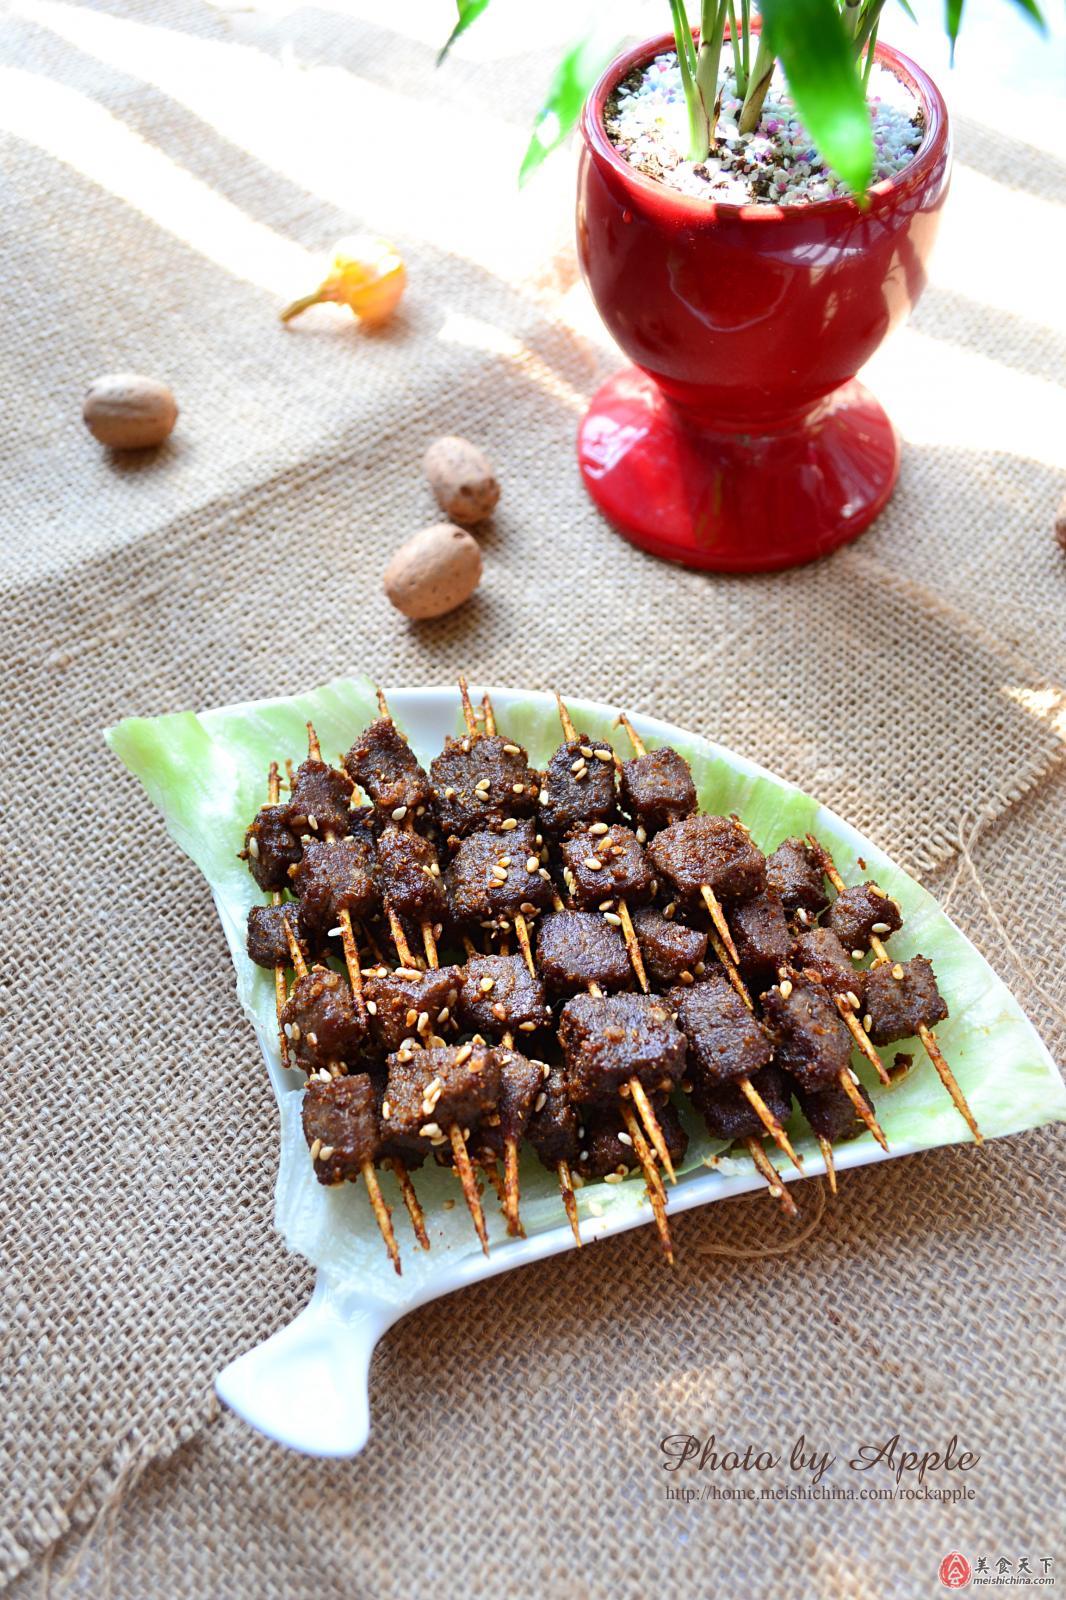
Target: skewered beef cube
point(860, 911)
point(521, 1081)
point(577, 948)
point(900, 997)
point(553, 1126)
point(606, 866)
point(409, 875)
point(411, 1007)
point(271, 848)
point(830, 1112)
point(383, 763)
point(495, 875)
point(320, 1020)
point(811, 1041)
point(657, 789)
point(578, 786)
point(796, 874)
point(606, 1147)
point(671, 949)
point(320, 801)
point(340, 1121)
point(820, 952)
point(268, 945)
point(761, 936)
point(430, 1091)
point(725, 1041)
point(477, 783)
point(500, 995)
point(728, 1113)
point(608, 1040)
point(332, 878)
point(715, 851)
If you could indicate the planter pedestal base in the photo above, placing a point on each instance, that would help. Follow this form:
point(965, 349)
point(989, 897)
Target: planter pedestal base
point(735, 502)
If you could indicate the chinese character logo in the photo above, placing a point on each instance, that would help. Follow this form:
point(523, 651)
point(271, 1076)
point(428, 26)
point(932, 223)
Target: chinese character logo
point(955, 1571)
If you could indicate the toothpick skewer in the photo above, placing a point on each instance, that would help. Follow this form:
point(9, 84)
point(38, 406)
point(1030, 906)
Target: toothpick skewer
point(925, 1033)
point(280, 993)
point(652, 1180)
point(566, 1189)
point(396, 928)
point(632, 944)
point(469, 716)
point(466, 1178)
point(344, 918)
point(830, 1165)
point(488, 714)
point(774, 1182)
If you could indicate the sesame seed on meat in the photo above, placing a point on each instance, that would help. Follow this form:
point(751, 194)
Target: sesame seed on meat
point(762, 937)
point(830, 1112)
point(521, 1081)
point(811, 1041)
point(411, 1007)
point(331, 878)
point(489, 879)
point(607, 1148)
point(271, 848)
point(797, 876)
point(340, 1123)
point(819, 952)
point(499, 995)
point(320, 801)
point(609, 1039)
point(729, 1114)
point(430, 1091)
point(409, 875)
point(383, 763)
point(578, 787)
point(860, 911)
point(320, 1020)
point(553, 1125)
point(606, 866)
point(267, 942)
point(670, 948)
point(725, 1041)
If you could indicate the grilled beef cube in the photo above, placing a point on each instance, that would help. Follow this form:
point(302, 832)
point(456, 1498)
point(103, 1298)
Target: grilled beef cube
point(409, 875)
point(494, 875)
point(268, 945)
point(820, 952)
point(553, 1126)
point(657, 789)
point(578, 787)
point(761, 935)
point(320, 1020)
point(577, 948)
point(726, 1110)
point(796, 874)
point(320, 801)
point(725, 1041)
point(715, 851)
point(608, 1040)
point(340, 1121)
point(671, 949)
point(898, 1006)
point(416, 1007)
point(606, 866)
point(271, 848)
point(430, 1091)
point(860, 911)
point(830, 1112)
point(499, 995)
point(332, 878)
point(521, 1081)
point(477, 783)
point(606, 1148)
point(811, 1041)
point(383, 763)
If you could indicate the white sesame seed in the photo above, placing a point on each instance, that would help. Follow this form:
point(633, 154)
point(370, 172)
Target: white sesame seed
point(482, 783)
point(786, 990)
point(288, 1030)
point(517, 788)
point(641, 835)
point(868, 1022)
point(487, 985)
point(603, 755)
point(449, 793)
point(312, 1038)
point(399, 814)
point(623, 1138)
point(428, 1130)
point(513, 749)
point(540, 1102)
point(613, 918)
point(856, 955)
point(593, 863)
point(443, 1014)
point(508, 823)
point(312, 822)
point(463, 1054)
point(897, 971)
point(386, 1109)
point(253, 848)
point(598, 828)
point(505, 861)
point(853, 1000)
point(295, 1034)
point(411, 1018)
point(575, 766)
point(325, 1152)
point(335, 933)
point(315, 1149)
point(372, 1007)
point(881, 927)
point(533, 864)
point(423, 1021)
point(526, 1027)
point(586, 749)
point(615, 1177)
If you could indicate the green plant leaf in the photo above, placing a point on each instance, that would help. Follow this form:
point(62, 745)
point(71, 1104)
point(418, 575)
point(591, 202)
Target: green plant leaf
point(569, 89)
point(469, 11)
point(1033, 11)
point(809, 39)
point(909, 9)
point(952, 21)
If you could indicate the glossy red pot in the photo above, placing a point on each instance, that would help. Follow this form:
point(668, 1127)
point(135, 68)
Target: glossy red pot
point(740, 439)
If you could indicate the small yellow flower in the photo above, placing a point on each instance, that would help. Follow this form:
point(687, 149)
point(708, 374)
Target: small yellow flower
point(366, 274)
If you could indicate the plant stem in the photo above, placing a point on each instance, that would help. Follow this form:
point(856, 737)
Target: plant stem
point(698, 126)
point(738, 59)
point(745, 28)
point(868, 25)
point(712, 32)
point(758, 84)
point(871, 50)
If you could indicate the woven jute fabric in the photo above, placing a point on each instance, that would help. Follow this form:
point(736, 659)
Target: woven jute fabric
point(170, 171)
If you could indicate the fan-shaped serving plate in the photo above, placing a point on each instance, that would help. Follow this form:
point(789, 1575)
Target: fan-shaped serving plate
point(307, 1385)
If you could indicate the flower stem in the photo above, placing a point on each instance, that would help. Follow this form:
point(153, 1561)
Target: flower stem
point(758, 84)
point(698, 126)
point(302, 304)
point(712, 32)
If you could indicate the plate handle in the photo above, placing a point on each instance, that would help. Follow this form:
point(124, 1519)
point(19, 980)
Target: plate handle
point(307, 1385)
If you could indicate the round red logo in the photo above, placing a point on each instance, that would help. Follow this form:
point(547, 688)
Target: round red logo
point(955, 1571)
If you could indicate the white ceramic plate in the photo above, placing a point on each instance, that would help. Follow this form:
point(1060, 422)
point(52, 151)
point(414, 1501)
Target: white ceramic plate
point(306, 1387)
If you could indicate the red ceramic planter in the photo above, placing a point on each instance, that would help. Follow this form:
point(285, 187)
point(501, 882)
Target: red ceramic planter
point(739, 440)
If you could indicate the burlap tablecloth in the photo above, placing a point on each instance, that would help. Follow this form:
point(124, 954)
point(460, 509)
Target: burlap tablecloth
point(169, 171)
